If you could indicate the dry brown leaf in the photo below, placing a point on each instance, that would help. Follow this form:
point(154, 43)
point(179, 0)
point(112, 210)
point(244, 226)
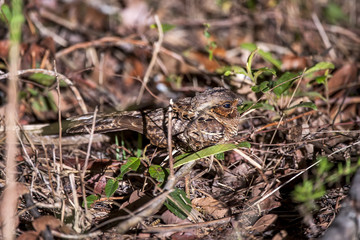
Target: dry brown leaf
point(65, 105)
point(174, 66)
point(281, 235)
point(136, 15)
point(100, 185)
point(211, 206)
point(291, 62)
point(29, 235)
point(313, 40)
point(49, 44)
point(342, 77)
point(219, 52)
point(243, 169)
point(270, 202)
point(93, 18)
point(204, 61)
point(188, 235)
point(33, 55)
point(170, 218)
point(248, 217)
point(231, 180)
point(40, 223)
point(4, 48)
point(136, 195)
point(134, 68)
point(264, 222)
point(346, 113)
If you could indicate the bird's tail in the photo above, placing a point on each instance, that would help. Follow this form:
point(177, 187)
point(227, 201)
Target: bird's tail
point(116, 121)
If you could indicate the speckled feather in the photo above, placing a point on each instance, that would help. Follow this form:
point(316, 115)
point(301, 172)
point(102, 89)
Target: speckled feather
point(206, 119)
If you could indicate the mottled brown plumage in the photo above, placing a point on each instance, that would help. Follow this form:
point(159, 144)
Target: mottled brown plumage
point(209, 118)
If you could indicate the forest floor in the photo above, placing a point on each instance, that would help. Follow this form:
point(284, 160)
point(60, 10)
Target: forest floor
point(287, 173)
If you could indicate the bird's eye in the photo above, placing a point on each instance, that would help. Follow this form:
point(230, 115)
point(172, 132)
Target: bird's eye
point(227, 105)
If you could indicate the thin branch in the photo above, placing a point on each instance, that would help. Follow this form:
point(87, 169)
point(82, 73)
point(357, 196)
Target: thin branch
point(59, 116)
point(157, 47)
point(323, 36)
point(116, 41)
point(181, 227)
point(82, 175)
point(169, 139)
point(45, 31)
point(77, 236)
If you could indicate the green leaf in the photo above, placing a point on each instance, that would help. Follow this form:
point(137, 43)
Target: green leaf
point(189, 157)
point(324, 165)
point(304, 104)
point(220, 156)
point(165, 27)
point(306, 192)
point(269, 58)
point(39, 104)
point(249, 64)
point(231, 70)
point(251, 105)
point(244, 145)
point(265, 55)
point(23, 94)
point(284, 83)
point(139, 145)
point(248, 46)
point(111, 186)
point(251, 4)
point(260, 71)
point(132, 164)
point(157, 172)
point(6, 14)
point(51, 101)
point(228, 73)
point(207, 34)
point(334, 14)
point(262, 87)
point(45, 80)
point(33, 91)
point(182, 205)
point(265, 106)
point(90, 200)
point(321, 79)
point(256, 89)
point(320, 66)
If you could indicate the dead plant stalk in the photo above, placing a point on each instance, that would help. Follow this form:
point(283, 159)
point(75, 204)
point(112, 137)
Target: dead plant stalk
point(157, 47)
point(9, 201)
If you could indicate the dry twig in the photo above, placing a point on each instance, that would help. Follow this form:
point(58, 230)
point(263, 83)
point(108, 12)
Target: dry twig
point(157, 47)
